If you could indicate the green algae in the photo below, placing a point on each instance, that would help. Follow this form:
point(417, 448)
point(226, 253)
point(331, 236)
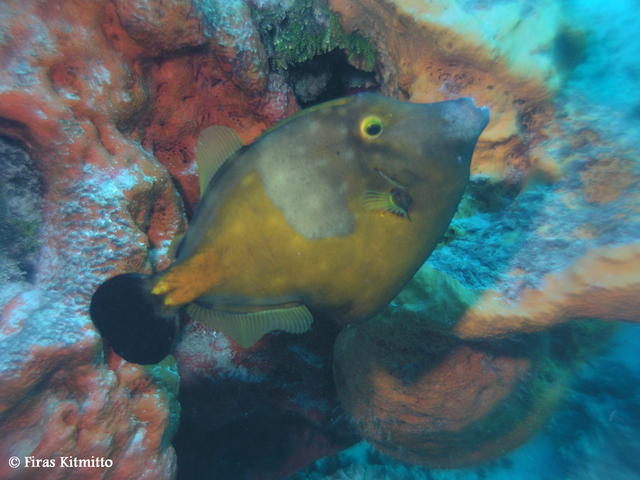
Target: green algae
point(17, 230)
point(306, 29)
point(20, 212)
point(166, 377)
point(433, 291)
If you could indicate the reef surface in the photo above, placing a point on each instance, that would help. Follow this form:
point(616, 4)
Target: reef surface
point(100, 106)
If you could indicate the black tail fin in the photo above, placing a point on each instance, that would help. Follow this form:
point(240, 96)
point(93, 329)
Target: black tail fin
point(133, 320)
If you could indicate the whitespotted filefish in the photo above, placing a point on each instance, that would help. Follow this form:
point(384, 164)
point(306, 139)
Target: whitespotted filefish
point(326, 215)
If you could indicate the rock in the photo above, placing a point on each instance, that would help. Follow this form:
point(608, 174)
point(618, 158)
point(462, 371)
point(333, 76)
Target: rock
point(100, 94)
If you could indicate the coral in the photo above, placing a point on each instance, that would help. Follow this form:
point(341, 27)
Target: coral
point(306, 44)
point(102, 102)
point(57, 401)
point(308, 28)
point(199, 80)
point(431, 399)
point(603, 284)
point(549, 253)
point(158, 27)
point(559, 244)
point(607, 178)
point(590, 434)
point(101, 94)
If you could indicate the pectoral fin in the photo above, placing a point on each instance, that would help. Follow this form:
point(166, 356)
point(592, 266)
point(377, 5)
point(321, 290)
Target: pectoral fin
point(247, 328)
point(396, 201)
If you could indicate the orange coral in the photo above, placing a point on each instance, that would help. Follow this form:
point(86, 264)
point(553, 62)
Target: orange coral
point(603, 284)
point(109, 97)
point(607, 178)
point(459, 390)
point(93, 90)
point(431, 399)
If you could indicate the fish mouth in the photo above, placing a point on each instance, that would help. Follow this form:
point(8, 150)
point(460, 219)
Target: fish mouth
point(462, 120)
point(476, 117)
point(392, 181)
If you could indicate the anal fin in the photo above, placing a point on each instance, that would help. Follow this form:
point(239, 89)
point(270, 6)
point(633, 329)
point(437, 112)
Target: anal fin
point(247, 328)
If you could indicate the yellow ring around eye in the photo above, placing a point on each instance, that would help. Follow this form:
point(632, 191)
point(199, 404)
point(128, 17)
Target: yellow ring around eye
point(371, 127)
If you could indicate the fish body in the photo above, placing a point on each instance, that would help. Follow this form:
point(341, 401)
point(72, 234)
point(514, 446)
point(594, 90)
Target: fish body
point(329, 213)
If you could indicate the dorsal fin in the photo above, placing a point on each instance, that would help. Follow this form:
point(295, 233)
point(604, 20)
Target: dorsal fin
point(215, 144)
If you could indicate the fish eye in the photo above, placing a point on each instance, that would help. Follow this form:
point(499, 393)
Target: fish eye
point(371, 127)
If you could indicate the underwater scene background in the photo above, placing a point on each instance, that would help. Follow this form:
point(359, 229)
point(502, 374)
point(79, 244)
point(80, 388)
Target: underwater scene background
point(512, 353)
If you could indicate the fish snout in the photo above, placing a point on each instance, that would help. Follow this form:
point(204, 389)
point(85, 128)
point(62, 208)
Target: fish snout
point(464, 120)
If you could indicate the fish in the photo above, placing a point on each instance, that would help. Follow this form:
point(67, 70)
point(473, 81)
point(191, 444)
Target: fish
point(326, 216)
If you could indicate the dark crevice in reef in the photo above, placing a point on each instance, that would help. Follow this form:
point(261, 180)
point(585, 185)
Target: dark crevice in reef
point(20, 212)
point(307, 45)
point(231, 428)
point(569, 48)
point(327, 76)
point(254, 443)
point(13, 127)
point(489, 196)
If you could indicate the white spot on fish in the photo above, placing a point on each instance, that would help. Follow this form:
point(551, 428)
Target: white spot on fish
point(322, 161)
point(348, 155)
point(463, 119)
point(313, 128)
